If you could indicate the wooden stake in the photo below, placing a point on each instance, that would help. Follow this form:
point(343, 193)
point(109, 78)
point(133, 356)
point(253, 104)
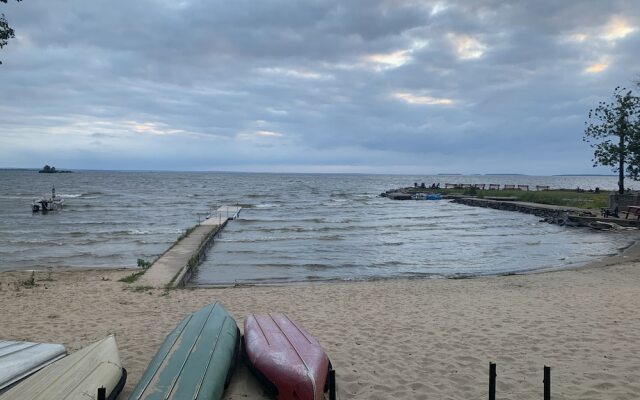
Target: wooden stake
point(332, 384)
point(547, 383)
point(492, 381)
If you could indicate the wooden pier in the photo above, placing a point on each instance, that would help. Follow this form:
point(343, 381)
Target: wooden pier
point(177, 264)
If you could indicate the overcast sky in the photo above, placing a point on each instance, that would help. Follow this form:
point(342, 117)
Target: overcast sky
point(381, 86)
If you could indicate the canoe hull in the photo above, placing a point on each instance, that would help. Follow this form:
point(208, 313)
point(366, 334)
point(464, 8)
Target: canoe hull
point(196, 359)
point(286, 358)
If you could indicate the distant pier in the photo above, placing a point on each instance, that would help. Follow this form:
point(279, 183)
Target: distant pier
point(176, 266)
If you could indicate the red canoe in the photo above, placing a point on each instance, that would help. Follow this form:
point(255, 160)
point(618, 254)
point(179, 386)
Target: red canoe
point(288, 360)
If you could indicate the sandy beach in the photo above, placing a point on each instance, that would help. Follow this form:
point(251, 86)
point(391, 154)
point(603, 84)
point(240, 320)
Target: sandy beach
point(400, 339)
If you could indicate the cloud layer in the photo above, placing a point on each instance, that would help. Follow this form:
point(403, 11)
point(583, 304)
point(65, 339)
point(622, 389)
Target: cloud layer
point(342, 86)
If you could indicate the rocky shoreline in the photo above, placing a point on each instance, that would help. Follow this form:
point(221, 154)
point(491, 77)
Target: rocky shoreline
point(558, 216)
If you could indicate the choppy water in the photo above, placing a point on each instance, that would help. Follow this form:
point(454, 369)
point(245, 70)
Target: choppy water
point(293, 227)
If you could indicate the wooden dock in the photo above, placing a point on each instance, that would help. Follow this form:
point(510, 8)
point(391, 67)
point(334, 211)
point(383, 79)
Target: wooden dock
point(177, 264)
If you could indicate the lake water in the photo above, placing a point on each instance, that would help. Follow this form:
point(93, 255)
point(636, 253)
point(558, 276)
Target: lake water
point(294, 227)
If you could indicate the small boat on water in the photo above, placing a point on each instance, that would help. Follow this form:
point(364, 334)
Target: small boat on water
point(44, 204)
point(427, 196)
point(80, 375)
point(21, 359)
point(285, 358)
point(196, 359)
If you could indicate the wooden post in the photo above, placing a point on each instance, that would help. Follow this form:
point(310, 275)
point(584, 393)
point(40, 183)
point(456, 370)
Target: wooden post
point(102, 393)
point(332, 384)
point(492, 381)
point(547, 383)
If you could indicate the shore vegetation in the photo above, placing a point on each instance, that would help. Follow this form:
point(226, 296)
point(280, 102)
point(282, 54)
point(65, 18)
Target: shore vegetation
point(6, 32)
point(613, 131)
point(556, 197)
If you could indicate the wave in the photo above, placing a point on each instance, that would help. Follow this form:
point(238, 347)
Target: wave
point(261, 195)
point(243, 205)
point(267, 205)
point(86, 195)
point(281, 221)
point(309, 229)
point(138, 232)
point(331, 237)
point(318, 267)
point(277, 239)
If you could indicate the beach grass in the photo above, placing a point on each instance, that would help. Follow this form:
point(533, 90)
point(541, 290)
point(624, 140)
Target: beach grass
point(131, 278)
point(562, 197)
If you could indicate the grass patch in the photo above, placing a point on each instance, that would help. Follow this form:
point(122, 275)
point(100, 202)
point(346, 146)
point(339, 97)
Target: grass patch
point(566, 198)
point(134, 276)
point(29, 282)
point(131, 278)
point(193, 262)
point(556, 197)
point(186, 233)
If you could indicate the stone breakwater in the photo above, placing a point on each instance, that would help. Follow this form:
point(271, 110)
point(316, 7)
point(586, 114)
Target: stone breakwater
point(551, 214)
point(565, 216)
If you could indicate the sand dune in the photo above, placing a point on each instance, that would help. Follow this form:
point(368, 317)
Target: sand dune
point(394, 339)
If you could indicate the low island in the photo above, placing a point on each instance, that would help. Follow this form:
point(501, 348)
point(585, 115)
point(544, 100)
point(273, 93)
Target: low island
point(52, 170)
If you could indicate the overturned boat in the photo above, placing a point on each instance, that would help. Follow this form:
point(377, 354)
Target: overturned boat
point(21, 359)
point(196, 359)
point(84, 374)
point(289, 362)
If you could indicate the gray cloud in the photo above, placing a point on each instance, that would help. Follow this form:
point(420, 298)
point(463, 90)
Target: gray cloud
point(416, 86)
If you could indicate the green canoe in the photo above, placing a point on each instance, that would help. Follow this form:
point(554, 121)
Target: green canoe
point(196, 359)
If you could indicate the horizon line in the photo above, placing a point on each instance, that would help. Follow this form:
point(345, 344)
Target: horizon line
point(301, 173)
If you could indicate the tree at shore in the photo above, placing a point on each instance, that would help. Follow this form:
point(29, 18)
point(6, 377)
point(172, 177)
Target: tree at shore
point(6, 32)
point(613, 130)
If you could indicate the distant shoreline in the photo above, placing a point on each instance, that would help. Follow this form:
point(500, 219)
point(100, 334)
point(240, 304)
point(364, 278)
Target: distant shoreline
point(416, 175)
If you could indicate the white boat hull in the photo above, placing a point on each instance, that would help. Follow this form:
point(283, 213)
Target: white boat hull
point(78, 376)
point(21, 359)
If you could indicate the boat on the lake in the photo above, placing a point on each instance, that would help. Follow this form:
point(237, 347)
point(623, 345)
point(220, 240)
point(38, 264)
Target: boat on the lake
point(45, 204)
point(81, 375)
point(196, 359)
point(427, 196)
point(21, 359)
point(289, 362)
